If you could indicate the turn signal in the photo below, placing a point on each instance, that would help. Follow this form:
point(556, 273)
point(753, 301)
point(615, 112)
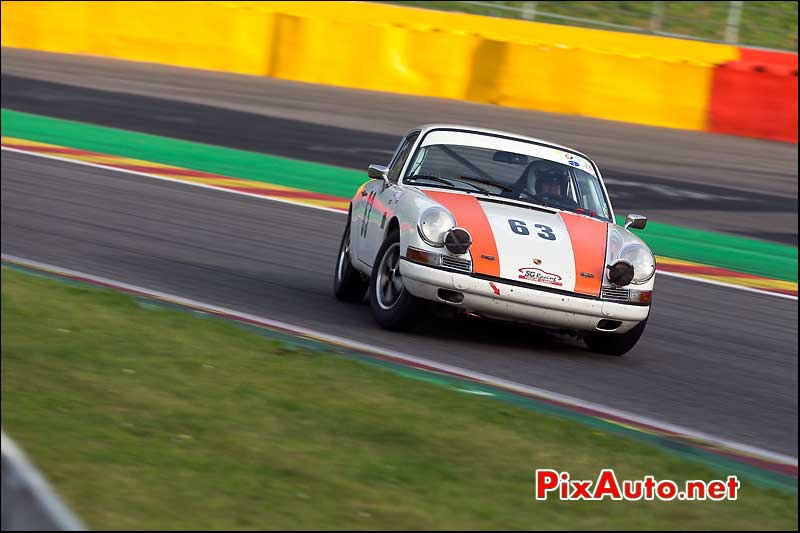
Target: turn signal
point(643, 297)
point(422, 256)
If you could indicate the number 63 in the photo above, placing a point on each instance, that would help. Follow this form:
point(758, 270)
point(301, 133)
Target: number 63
point(520, 228)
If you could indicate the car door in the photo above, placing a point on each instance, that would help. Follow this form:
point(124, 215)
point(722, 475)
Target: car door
point(376, 199)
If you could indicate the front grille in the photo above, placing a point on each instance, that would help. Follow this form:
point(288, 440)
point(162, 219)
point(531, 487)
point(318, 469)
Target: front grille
point(614, 294)
point(455, 263)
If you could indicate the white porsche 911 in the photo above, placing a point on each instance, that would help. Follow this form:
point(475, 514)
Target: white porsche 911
point(497, 225)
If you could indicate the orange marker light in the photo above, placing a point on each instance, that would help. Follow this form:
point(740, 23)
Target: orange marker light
point(421, 256)
point(642, 296)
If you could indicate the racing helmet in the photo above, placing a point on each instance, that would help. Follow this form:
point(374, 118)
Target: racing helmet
point(549, 179)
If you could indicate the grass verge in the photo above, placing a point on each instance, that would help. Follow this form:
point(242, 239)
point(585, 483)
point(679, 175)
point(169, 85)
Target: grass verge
point(151, 418)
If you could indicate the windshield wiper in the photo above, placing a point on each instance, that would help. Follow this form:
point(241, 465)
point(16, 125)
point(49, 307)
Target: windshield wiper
point(448, 182)
point(459, 180)
point(544, 202)
point(476, 187)
point(431, 178)
point(486, 182)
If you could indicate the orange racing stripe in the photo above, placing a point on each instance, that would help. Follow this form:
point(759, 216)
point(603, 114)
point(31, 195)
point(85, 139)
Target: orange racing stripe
point(470, 215)
point(588, 238)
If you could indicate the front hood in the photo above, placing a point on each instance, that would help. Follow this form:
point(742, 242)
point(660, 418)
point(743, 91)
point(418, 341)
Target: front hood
point(526, 244)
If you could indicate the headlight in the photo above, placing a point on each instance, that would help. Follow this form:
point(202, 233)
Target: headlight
point(433, 225)
point(642, 260)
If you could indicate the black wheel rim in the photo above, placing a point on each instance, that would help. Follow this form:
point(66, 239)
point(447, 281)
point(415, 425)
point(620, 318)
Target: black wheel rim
point(389, 283)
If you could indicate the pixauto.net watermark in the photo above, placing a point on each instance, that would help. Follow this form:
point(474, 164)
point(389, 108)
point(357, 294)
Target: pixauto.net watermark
point(553, 484)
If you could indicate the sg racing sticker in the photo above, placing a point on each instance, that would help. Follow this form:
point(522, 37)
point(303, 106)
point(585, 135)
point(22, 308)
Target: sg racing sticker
point(537, 275)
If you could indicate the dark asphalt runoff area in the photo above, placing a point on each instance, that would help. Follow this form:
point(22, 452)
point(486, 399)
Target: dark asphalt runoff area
point(713, 359)
point(717, 182)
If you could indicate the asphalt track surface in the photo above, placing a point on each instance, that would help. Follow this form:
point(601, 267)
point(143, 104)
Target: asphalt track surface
point(713, 359)
point(724, 183)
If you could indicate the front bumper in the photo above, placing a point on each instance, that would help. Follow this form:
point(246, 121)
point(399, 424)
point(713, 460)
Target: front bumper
point(519, 303)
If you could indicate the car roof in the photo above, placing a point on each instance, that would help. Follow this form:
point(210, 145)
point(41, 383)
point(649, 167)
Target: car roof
point(427, 127)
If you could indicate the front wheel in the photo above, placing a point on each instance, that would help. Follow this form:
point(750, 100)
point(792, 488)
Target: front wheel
point(615, 343)
point(392, 305)
point(348, 283)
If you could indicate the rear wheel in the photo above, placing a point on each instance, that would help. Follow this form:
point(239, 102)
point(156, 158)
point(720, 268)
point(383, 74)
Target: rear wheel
point(392, 305)
point(615, 343)
point(348, 283)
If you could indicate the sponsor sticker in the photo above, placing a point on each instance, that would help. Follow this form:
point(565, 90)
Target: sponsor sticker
point(494, 288)
point(537, 275)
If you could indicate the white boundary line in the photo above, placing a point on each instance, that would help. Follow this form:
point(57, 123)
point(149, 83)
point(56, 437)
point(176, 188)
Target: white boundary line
point(723, 284)
point(402, 357)
point(163, 178)
point(339, 211)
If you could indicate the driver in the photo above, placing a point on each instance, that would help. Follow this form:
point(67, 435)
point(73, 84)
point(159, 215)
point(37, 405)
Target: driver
point(550, 182)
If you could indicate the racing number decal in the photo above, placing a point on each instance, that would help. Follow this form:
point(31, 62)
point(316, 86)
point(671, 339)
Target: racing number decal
point(547, 232)
point(367, 211)
point(519, 227)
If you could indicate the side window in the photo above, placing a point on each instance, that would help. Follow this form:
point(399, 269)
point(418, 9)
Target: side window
point(402, 156)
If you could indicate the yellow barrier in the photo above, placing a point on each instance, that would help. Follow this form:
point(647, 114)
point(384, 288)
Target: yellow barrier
point(395, 49)
point(604, 85)
point(511, 30)
point(466, 66)
point(207, 35)
point(383, 58)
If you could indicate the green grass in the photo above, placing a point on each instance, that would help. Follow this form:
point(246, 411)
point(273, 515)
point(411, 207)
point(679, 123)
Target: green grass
point(769, 24)
point(152, 418)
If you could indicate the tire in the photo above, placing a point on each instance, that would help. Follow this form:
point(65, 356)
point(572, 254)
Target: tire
point(615, 343)
point(392, 305)
point(348, 283)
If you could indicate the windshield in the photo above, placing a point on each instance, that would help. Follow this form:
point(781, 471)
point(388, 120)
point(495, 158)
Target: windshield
point(517, 170)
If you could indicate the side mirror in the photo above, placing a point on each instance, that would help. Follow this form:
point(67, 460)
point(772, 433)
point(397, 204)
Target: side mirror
point(635, 221)
point(378, 172)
